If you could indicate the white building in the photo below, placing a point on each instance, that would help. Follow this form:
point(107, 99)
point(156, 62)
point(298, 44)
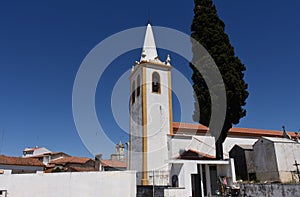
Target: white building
point(30, 152)
point(156, 152)
point(275, 159)
point(167, 153)
point(19, 165)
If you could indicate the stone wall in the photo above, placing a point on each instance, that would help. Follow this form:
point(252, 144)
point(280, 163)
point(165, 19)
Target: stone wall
point(268, 190)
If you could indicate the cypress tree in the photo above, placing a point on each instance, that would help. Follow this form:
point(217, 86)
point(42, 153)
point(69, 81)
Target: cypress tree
point(209, 31)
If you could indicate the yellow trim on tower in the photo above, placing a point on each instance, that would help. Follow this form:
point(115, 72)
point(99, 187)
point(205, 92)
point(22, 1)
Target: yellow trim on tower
point(170, 102)
point(145, 180)
point(130, 136)
point(150, 65)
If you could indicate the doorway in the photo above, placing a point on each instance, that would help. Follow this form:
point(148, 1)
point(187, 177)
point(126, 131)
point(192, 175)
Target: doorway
point(213, 179)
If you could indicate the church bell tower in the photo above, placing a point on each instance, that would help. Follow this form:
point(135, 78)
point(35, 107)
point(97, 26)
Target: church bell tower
point(150, 112)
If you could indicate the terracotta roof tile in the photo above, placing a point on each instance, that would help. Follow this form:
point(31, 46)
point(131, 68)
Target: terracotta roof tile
point(20, 161)
point(78, 160)
point(82, 169)
point(113, 163)
point(50, 153)
point(179, 127)
point(195, 155)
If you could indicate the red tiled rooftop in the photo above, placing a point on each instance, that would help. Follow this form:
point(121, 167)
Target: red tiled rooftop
point(179, 127)
point(50, 153)
point(19, 161)
point(195, 155)
point(78, 160)
point(113, 163)
point(82, 169)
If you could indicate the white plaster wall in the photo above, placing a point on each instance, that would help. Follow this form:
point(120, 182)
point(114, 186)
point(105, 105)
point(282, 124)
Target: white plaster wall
point(70, 184)
point(205, 144)
point(172, 192)
point(40, 151)
point(286, 155)
point(231, 141)
point(188, 169)
point(178, 145)
point(135, 150)
point(158, 119)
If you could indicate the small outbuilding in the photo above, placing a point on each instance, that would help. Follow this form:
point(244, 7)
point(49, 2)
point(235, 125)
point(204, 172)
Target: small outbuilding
point(275, 159)
point(243, 161)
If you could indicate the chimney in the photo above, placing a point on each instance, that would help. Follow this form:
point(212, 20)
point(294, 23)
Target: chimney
point(98, 158)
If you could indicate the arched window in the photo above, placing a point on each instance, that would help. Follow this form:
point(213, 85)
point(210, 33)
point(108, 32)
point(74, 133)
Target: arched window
point(133, 92)
point(155, 82)
point(138, 84)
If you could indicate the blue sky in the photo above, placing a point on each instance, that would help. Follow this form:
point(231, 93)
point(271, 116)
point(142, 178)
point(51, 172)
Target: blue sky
point(42, 44)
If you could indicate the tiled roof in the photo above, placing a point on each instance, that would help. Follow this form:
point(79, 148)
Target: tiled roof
point(113, 163)
point(50, 153)
point(82, 169)
point(195, 155)
point(31, 149)
point(179, 127)
point(77, 160)
point(187, 127)
point(20, 161)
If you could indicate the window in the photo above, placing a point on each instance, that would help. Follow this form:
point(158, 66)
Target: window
point(155, 82)
point(138, 90)
point(133, 92)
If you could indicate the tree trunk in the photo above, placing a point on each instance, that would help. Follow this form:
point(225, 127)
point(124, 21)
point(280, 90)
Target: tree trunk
point(219, 149)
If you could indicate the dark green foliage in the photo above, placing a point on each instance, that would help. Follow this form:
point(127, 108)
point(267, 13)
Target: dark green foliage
point(57, 169)
point(208, 29)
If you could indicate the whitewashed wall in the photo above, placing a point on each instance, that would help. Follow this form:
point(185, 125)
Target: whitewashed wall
point(70, 184)
point(158, 119)
point(136, 129)
point(205, 144)
point(274, 161)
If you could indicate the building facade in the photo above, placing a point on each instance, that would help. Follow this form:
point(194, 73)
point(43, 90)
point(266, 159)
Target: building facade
point(158, 152)
point(150, 112)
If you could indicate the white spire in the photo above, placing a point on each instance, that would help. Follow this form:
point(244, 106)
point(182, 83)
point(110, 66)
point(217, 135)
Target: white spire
point(149, 48)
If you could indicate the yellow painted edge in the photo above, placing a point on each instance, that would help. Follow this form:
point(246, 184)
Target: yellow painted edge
point(144, 119)
point(143, 64)
point(170, 102)
point(130, 137)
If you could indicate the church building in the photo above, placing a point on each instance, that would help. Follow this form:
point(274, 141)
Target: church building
point(179, 156)
point(160, 155)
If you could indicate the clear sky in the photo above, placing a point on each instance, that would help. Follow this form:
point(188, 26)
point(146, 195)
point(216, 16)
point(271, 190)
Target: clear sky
point(42, 44)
